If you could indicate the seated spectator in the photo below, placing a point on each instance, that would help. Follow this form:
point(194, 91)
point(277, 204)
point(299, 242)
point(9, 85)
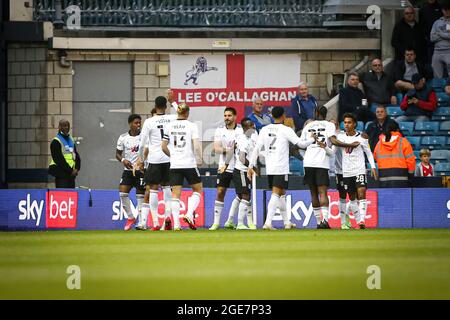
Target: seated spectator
point(258, 117)
point(430, 11)
point(378, 85)
point(418, 103)
point(395, 158)
point(408, 33)
point(302, 106)
point(405, 69)
point(353, 100)
point(377, 127)
point(440, 36)
point(424, 168)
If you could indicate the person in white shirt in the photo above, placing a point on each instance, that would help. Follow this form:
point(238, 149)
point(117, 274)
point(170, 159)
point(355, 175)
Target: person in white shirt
point(354, 168)
point(317, 163)
point(157, 172)
point(224, 144)
point(275, 139)
point(181, 143)
point(127, 153)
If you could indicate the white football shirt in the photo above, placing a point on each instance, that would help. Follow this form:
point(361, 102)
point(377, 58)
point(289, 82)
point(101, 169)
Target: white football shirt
point(353, 160)
point(180, 134)
point(152, 134)
point(244, 144)
point(129, 145)
point(315, 156)
point(275, 139)
point(227, 137)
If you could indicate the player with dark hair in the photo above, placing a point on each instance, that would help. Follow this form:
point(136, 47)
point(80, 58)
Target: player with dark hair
point(157, 173)
point(127, 152)
point(317, 162)
point(181, 143)
point(354, 168)
point(275, 139)
point(224, 143)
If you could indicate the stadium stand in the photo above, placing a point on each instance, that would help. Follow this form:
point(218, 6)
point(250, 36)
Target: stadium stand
point(442, 169)
point(394, 111)
point(432, 142)
point(424, 128)
point(438, 156)
point(407, 127)
point(415, 141)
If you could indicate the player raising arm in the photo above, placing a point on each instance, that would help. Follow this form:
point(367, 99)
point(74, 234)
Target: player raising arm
point(275, 139)
point(181, 143)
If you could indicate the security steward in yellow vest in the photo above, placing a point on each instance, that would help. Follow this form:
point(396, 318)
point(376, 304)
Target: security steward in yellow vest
point(66, 161)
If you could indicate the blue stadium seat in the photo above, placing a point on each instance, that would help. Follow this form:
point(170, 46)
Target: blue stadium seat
point(426, 128)
point(394, 111)
point(448, 142)
point(438, 156)
point(416, 153)
point(433, 142)
point(415, 141)
point(399, 97)
point(341, 125)
point(367, 125)
point(443, 99)
point(295, 166)
point(441, 113)
point(445, 128)
point(442, 169)
point(373, 107)
point(437, 84)
point(406, 127)
point(360, 126)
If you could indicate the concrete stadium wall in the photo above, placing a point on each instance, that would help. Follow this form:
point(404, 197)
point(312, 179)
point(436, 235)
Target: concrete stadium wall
point(40, 92)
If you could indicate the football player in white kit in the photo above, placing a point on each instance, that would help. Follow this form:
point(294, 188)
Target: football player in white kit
point(224, 144)
point(127, 152)
point(317, 163)
point(157, 172)
point(354, 168)
point(275, 139)
point(182, 144)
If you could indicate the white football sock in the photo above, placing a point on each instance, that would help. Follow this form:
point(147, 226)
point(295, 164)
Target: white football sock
point(342, 209)
point(167, 192)
point(243, 208)
point(145, 211)
point(316, 212)
point(154, 206)
point(271, 208)
point(234, 208)
point(140, 201)
point(175, 208)
point(126, 206)
point(218, 207)
point(193, 204)
point(282, 207)
point(324, 211)
point(249, 214)
point(362, 210)
point(355, 209)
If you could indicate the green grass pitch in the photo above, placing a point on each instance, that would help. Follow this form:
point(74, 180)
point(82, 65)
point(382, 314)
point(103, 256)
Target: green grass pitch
point(293, 264)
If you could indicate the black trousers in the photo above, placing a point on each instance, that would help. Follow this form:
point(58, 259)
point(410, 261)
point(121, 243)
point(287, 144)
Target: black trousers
point(67, 183)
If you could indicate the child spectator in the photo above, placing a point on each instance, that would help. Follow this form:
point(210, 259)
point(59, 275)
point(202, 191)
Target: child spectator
point(424, 168)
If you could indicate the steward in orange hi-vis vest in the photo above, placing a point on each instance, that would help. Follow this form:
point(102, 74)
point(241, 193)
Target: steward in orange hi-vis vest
point(395, 159)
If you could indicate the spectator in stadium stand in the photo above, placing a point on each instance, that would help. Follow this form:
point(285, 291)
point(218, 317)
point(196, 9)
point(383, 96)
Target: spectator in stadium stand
point(353, 100)
point(378, 126)
point(378, 86)
point(430, 11)
point(66, 161)
point(395, 158)
point(408, 33)
point(258, 117)
point(418, 103)
point(405, 69)
point(424, 168)
point(302, 106)
point(440, 36)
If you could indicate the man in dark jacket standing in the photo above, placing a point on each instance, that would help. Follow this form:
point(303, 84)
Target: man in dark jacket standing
point(353, 100)
point(428, 14)
point(378, 86)
point(302, 106)
point(66, 161)
point(408, 33)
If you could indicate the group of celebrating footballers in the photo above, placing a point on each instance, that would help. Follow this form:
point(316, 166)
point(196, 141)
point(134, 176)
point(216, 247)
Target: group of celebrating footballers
point(168, 150)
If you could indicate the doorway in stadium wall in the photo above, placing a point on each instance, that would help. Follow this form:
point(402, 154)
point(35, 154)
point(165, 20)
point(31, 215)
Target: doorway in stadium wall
point(101, 105)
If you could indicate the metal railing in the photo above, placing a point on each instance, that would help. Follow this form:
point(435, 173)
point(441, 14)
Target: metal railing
point(190, 13)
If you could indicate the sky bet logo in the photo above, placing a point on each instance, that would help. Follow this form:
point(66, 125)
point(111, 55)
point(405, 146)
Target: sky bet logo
point(31, 210)
point(61, 209)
